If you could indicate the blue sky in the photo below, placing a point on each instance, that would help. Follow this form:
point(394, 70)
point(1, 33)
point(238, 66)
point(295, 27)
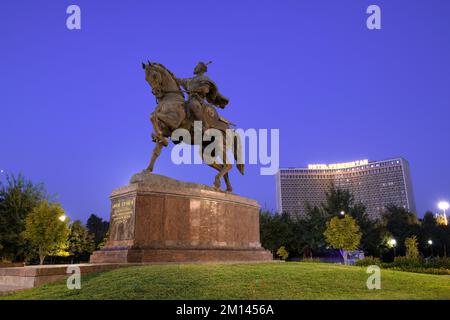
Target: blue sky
point(74, 105)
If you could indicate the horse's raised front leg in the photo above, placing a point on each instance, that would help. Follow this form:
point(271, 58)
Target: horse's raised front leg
point(156, 152)
point(158, 135)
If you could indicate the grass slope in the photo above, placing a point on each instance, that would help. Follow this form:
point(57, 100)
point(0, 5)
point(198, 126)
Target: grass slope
point(245, 281)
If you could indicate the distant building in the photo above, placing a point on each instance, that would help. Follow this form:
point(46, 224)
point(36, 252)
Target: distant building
point(376, 184)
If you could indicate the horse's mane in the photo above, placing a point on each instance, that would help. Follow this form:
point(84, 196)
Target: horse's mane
point(171, 74)
point(167, 70)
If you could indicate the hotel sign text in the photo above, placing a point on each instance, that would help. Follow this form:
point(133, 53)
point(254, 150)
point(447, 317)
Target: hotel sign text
point(334, 166)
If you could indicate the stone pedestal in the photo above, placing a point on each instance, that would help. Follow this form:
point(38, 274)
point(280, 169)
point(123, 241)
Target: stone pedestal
point(158, 219)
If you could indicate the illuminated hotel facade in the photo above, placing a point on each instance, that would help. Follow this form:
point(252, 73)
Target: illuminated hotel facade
point(376, 184)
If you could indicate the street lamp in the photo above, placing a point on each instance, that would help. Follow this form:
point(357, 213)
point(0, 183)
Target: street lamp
point(393, 244)
point(62, 218)
point(342, 213)
point(443, 205)
point(430, 243)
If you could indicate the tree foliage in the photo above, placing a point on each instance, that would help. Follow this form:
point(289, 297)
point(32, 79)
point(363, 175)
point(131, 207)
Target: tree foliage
point(282, 253)
point(343, 233)
point(98, 228)
point(412, 247)
point(45, 231)
point(276, 230)
point(401, 224)
point(18, 197)
point(81, 242)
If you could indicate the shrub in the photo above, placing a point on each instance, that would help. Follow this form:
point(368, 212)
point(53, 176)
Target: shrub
point(406, 262)
point(438, 262)
point(368, 261)
point(283, 253)
point(412, 250)
point(437, 265)
point(311, 260)
point(437, 271)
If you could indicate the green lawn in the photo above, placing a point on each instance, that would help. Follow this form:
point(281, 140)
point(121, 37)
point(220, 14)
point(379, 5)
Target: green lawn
point(245, 281)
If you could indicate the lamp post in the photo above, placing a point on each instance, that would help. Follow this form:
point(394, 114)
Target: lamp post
point(393, 244)
point(430, 243)
point(443, 205)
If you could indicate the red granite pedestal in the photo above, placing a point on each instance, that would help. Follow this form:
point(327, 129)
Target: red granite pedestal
point(158, 219)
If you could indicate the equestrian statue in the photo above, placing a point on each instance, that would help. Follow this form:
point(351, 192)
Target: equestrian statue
point(175, 111)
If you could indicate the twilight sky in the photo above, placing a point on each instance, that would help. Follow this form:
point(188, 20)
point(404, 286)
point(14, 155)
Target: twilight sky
point(74, 105)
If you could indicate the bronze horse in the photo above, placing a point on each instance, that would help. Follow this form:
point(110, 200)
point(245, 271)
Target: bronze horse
point(171, 114)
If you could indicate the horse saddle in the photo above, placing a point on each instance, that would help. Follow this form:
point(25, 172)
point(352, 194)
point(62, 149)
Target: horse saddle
point(208, 114)
point(213, 119)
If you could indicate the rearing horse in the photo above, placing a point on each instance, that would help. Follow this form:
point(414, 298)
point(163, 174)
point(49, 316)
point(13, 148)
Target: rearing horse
point(171, 114)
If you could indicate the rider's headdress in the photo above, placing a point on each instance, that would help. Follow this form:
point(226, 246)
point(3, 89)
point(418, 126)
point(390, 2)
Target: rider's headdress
point(201, 67)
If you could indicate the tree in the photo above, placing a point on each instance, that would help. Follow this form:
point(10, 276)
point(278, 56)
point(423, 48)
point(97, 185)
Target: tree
point(373, 230)
point(443, 236)
point(429, 222)
point(103, 243)
point(337, 201)
point(98, 228)
point(283, 253)
point(411, 245)
point(343, 233)
point(428, 231)
point(312, 226)
point(18, 197)
point(276, 230)
point(44, 229)
point(401, 223)
point(81, 242)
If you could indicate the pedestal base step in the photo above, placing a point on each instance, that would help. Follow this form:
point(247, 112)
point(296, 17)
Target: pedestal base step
point(19, 278)
point(180, 255)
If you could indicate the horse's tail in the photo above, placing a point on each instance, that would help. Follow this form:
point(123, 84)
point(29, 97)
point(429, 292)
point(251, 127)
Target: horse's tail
point(237, 153)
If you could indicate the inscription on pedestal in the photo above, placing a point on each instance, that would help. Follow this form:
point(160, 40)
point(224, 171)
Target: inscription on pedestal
point(122, 218)
point(122, 210)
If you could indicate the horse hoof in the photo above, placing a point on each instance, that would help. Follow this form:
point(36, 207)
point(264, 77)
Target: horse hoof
point(159, 139)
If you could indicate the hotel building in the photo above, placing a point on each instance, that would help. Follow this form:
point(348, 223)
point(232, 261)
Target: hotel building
point(374, 183)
